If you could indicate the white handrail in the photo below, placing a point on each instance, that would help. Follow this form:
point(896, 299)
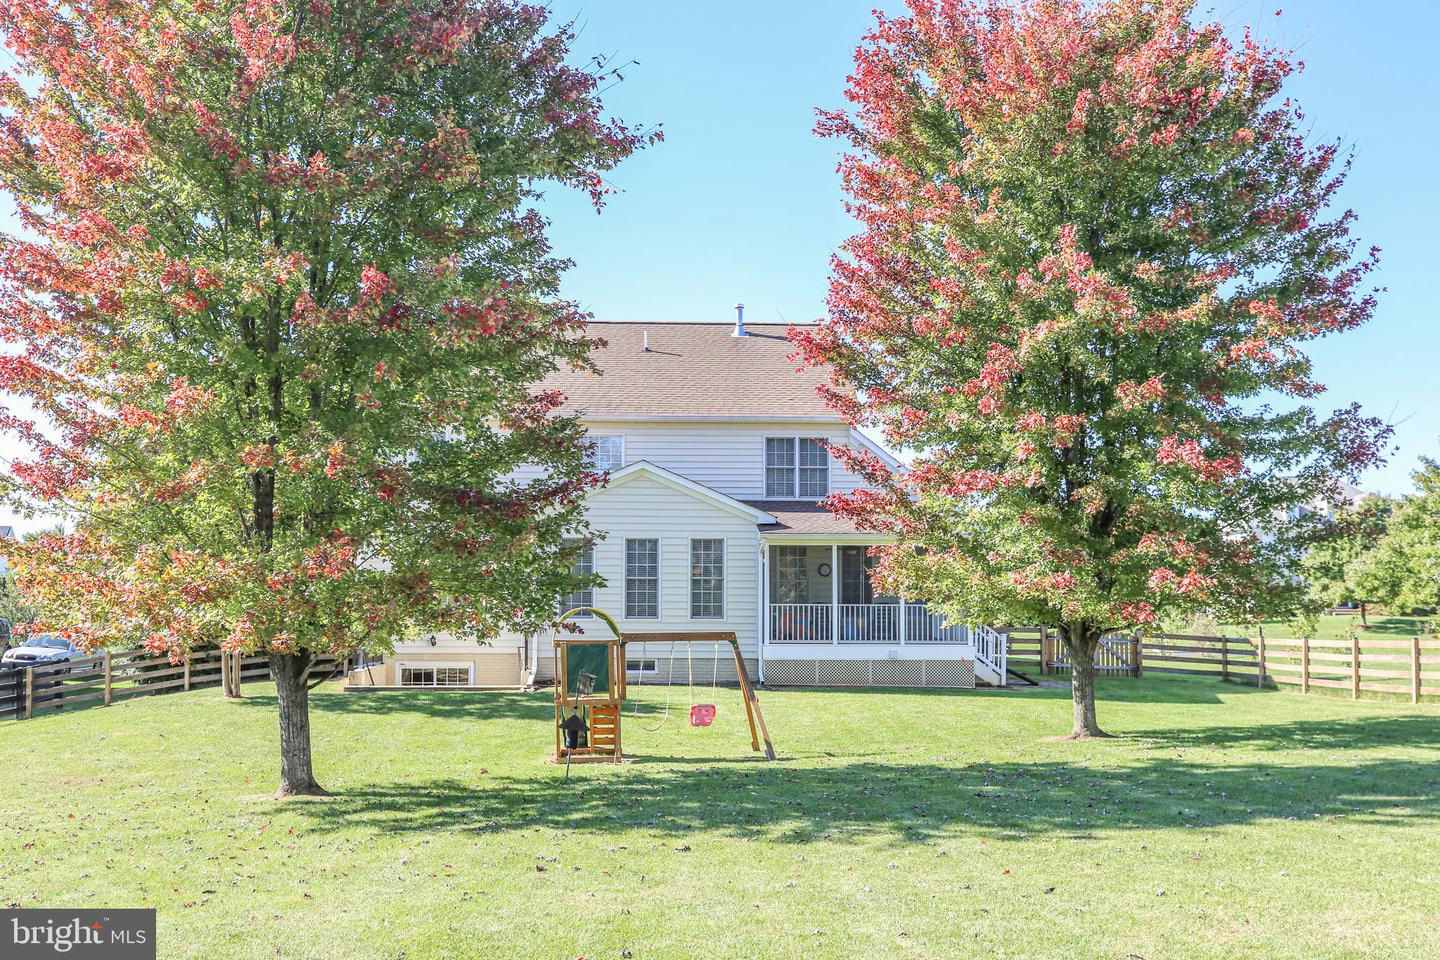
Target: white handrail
point(990, 648)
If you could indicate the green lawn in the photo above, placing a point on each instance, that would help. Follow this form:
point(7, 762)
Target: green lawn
point(1338, 627)
point(1225, 822)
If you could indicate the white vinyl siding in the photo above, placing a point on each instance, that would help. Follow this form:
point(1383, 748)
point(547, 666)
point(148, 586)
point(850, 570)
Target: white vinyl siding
point(642, 579)
point(726, 457)
point(707, 579)
point(584, 566)
point(641, 507)
point(796, 468)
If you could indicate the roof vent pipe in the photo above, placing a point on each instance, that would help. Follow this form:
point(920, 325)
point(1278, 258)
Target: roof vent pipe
point(739, 320)
point(646, 335)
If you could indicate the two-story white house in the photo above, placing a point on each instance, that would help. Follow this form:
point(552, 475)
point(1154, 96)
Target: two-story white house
point(717, 451)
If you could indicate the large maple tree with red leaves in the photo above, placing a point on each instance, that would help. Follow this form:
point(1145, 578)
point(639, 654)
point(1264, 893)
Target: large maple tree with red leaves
point(1093, 244)
point(279, 295)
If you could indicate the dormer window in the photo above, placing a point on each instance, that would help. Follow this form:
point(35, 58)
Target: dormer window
point(796, 468)
point(605, 454)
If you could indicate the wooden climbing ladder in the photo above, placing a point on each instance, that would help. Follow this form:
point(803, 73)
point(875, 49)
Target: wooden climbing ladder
point(605, 730)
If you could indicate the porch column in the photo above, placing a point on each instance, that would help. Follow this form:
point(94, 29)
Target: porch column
point(835, 594)
point(903, 618)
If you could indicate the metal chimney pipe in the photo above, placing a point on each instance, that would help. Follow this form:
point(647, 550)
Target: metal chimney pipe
point(739, 320)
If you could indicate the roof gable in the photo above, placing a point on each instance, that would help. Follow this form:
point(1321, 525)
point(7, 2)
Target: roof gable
point(684, 484)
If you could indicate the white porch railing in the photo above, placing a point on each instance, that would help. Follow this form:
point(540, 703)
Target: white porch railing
point(800, 623)
point(869, 623)
point(857, 623)
point(922, 626)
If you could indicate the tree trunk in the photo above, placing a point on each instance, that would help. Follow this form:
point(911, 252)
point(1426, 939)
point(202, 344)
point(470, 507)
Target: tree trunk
point(1081, 642)
point(230, 667)
point(291, 686)
point(1364, 622)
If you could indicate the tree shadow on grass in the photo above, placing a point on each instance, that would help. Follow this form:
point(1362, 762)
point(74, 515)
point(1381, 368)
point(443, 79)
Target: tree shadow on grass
point(494, 704)
point(1359, 733)
point(1106, 689)
point(1391, 627)
point(900, 802)
point(469, 705)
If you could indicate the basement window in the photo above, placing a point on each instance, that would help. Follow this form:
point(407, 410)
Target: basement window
point(435, 676)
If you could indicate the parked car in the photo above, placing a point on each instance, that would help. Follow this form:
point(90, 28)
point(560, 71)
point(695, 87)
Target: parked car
point(41, 650)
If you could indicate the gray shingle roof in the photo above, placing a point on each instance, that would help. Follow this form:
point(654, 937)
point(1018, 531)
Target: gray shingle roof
point(801, 517)
point(694, 370)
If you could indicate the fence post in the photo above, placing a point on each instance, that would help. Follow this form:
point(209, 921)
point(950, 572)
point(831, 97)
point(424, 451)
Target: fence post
point(1260, 664)
point(1304, 664)
point(1044, 650)
point(109, 677)
point(1354, 666)
point(1136, 652)
point(1224, 659)
point(1414, 669)
point(187, 673)
point(29, 692)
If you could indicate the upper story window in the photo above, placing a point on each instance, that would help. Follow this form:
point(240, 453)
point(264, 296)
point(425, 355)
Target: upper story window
point(606, 454)
point(796, 468)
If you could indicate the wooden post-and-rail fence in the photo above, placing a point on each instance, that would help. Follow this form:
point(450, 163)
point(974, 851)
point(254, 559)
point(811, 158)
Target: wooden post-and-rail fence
point(112, 677)
point(1404, 666)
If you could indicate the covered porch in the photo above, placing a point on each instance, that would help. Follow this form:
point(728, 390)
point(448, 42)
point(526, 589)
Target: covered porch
point(820, 594)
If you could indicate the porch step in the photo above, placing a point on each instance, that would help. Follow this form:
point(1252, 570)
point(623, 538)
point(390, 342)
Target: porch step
point(987, 673)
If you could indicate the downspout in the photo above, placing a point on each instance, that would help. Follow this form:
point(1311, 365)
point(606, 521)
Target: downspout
point(763, 608)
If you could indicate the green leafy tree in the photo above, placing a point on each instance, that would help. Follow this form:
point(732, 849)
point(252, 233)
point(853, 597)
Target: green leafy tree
point(1092, 240)
point(280, 301)
point(1339, 570)
point(1404, 569)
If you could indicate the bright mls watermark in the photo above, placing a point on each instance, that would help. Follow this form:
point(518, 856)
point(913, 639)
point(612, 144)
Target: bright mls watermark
point(77, 934)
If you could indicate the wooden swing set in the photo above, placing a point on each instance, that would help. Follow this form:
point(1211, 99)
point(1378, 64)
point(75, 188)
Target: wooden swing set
point(591, 688)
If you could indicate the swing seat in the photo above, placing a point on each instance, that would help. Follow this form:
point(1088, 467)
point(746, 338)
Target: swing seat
point(702, 714)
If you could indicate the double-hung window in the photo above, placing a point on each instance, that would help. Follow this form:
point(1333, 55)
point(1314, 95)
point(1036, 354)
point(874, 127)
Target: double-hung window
point(642, 579)
point(796, 468)
point(583, 566)
point(707, 579)
point(605, 454)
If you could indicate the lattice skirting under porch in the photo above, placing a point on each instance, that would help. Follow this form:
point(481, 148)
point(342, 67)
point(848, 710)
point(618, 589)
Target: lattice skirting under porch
point(870, 673)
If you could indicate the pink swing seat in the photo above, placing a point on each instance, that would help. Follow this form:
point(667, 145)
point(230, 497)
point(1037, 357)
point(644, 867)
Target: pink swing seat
point(702, 714)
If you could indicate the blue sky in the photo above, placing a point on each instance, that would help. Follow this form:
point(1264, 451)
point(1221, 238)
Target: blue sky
point(741, 201)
